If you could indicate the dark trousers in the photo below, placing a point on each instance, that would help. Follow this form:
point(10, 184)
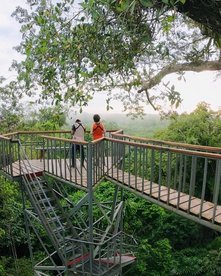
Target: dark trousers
point(77, 149)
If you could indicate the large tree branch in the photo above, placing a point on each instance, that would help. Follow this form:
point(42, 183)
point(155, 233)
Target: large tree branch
point(176, 68)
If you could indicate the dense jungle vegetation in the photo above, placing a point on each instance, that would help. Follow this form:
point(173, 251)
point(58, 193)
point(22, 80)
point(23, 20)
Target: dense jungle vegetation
point(69, 54)
point(167, 243)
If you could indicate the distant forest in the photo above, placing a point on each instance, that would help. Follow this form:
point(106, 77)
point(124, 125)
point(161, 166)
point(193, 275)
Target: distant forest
point(143, 127)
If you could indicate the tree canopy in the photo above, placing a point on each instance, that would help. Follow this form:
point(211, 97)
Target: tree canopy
point(73, 49)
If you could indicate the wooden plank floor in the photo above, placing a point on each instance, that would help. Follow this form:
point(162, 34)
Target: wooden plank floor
point(31, 166)
point(169, 196)
point(60, 168)
point(78, 176)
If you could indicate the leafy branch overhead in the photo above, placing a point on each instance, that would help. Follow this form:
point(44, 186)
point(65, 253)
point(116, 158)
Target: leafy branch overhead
point(123, 47)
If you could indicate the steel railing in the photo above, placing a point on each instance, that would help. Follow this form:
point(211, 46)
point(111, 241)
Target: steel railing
point(175, 175)
point(182, 178)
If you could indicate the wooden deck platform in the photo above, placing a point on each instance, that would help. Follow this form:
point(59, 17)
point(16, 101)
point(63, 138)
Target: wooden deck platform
point(169, 196)
point(58, 167)
point(78, 176)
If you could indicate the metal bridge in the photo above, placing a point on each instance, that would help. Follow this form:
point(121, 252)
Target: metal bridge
point(180, 177)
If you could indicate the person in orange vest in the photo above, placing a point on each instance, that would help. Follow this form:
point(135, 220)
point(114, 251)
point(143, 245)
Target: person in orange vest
point(97, 129)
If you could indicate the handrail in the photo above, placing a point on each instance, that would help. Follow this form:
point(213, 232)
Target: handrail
point(175, 144)
point(37, 132)
point(188, 149)
point(118, 134)
point(98, 140)
point(176, 150)
point(64, 140)
point(4, 138)
point(47, 131)
point(9, 134)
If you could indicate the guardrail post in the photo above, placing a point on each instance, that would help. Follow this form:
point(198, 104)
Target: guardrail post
point(90, 201)
point(216, 187)
point(11, 156)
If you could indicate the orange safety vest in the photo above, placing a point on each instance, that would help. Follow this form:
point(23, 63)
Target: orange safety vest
point(97, 131)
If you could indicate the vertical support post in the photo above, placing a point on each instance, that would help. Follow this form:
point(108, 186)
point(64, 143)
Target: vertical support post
point(19, 154)
point(90, 203)
point(9, 157)
point(121, 233)
point(180, 179)
point(160, 174)
point(135, 165)
point(204, 185)
point(143, 166)
point(175, 173)
point(114, 202)
point(43, 159)
point(184, 174)
point(168, 177)
point(26, 222)
point(129, 163)
point(216, 188)
point(152, 169)
point(192, 181)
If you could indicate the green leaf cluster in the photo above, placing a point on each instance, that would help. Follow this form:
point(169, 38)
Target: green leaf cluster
point(200, 127)
point(11, 224)
point(74, 49)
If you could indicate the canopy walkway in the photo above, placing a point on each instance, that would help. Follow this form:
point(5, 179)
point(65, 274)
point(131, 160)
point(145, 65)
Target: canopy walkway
point(180, 177)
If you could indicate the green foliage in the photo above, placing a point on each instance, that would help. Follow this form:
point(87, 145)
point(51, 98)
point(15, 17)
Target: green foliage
point(200, 127)
point(148, 216)
point(215, 244)
point(10, 120)
point(167, 243)
point(11, 110)
point(197, 261)
point(12, 231)
point(105, 191)
point(73, 50)
point(10, 267)
point(50, 118)
point(185, 233)
point(60, 52)
point(156, 259)
point(11, 223)
point(76, 196)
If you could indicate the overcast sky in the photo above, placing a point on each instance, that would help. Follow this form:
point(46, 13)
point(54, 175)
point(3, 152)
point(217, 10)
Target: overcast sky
point(197, 88)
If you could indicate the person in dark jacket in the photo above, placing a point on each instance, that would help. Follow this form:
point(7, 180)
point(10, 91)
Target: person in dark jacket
point(77, 132)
